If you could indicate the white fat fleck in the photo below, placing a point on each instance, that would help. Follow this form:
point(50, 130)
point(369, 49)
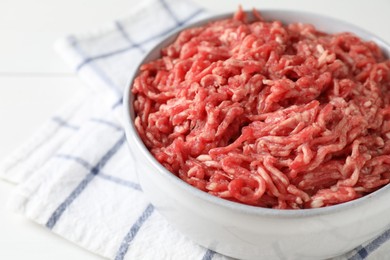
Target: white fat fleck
point(348, 111)
point(320, 48)
point(279, 39)
point(367, 104)
point(380, 74)
point(387, 135)
point(316, 203)
point(267, 82)
point(330, 57)
point(212, 186)
point(212, 164)
point(323, 58)
point(204, 157)
point(379, 141)
point(192, 171)
point(306, 156)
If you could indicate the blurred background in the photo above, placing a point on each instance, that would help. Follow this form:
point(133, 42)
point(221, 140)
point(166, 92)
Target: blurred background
point(35, 82)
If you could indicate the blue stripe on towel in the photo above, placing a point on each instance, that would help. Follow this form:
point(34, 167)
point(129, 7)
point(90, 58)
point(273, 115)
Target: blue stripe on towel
point(56, 215)
point(103, 76)
point(133, 232)
point(129, 184)
point(170, 12)
point(365, 251)
point(152, 38)
point(118, 103)
point(208, 255)
point(84, 163)
point(88, 166)
point(63, 123)
point(106, 122)
point(64, 205)
point(126, 36)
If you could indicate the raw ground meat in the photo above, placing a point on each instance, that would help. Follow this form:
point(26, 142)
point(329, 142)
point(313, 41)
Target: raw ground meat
point(270, 115)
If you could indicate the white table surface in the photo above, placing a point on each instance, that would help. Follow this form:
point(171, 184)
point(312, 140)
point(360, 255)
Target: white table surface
point(34, 82)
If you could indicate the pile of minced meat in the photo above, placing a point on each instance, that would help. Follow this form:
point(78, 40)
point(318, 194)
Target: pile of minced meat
point(267, 114)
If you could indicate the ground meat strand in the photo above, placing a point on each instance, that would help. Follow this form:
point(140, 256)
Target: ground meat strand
point(270, 115)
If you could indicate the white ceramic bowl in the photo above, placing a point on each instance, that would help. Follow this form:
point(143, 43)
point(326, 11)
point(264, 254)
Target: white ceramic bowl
point(248, 232)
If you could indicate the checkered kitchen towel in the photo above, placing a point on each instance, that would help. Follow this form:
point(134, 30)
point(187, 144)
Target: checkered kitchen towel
point(76, 175)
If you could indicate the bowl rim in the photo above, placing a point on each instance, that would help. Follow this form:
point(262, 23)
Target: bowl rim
point(134, 139)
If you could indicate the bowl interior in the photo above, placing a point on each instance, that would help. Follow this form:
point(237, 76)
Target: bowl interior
point(322, 23)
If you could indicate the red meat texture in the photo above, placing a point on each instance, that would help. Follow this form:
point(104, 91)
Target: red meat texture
point(269, 115)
